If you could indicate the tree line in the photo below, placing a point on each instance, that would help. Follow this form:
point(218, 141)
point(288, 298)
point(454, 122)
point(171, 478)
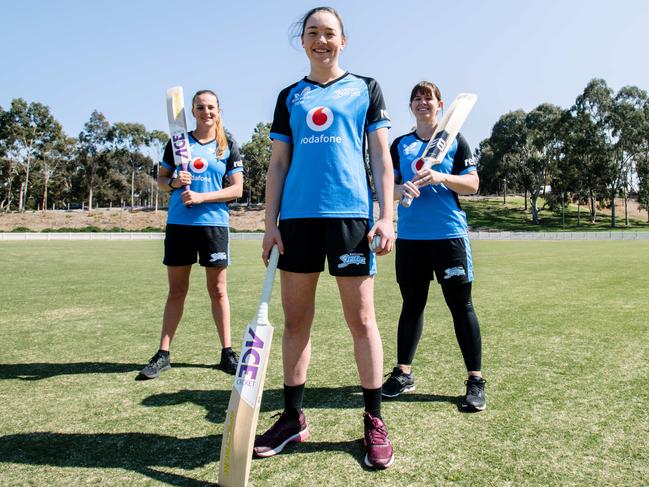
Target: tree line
point(106, 165)
point(589, 154)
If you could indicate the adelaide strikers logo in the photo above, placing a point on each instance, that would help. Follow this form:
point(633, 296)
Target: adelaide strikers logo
point(319, 118)
point(198, 165)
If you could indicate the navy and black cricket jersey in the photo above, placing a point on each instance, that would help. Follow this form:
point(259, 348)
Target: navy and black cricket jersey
point(207, 172)
point(326, 125)
point(436, 214)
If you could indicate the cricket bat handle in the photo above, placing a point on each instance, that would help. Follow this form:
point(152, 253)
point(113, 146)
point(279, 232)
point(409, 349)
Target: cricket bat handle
point(183, 167)
point(267, 289)
point(406, 201)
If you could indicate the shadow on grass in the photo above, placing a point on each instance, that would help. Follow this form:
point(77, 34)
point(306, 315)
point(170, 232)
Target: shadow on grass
point(416, 397)
point(215, 401)
point(38, 371)
point(354, 448)
point(137, 452)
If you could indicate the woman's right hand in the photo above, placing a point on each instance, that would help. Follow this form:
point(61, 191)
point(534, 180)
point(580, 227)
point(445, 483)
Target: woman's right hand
point(410, 189)
point(272, 237)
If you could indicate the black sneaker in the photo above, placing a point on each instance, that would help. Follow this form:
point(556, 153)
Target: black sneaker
point(398, 383)
point(229, 361)
point(474, 399)
point(158, 363)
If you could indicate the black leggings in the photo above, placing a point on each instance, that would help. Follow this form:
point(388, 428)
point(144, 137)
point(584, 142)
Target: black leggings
point(465, 321)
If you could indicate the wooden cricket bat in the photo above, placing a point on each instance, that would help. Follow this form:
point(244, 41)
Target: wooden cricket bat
point(243, 410)
point(444, 135)
point(178, 127)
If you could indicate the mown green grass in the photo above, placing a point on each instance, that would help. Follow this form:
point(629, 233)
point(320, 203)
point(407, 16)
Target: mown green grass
point(490, 213)
point(565, 354)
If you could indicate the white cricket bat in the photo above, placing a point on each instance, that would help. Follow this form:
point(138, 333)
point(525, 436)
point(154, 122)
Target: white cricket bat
point(445, 133)
point(178, 127)
point(243, 410)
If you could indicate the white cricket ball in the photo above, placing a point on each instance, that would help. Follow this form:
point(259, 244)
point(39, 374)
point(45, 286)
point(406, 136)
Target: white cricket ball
point(376, 241)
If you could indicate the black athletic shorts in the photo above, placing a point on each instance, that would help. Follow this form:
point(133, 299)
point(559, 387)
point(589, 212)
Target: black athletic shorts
point(343, 241)
point(184, 242)
point(421, 260)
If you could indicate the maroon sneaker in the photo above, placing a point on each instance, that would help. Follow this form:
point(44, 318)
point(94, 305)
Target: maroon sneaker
point(284, 431)
point(379, 449)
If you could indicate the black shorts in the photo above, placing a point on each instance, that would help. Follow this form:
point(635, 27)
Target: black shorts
point(184, 242)
point(343, 241)
point(421, 260)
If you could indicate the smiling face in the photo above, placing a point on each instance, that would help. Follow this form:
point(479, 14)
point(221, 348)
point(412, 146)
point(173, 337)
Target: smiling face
point(425, 105)
point(206, 110)
point(323, 39)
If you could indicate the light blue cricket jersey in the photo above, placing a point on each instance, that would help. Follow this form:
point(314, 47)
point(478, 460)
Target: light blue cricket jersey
point(327, 127)
point(207, 172)
point(436, 214)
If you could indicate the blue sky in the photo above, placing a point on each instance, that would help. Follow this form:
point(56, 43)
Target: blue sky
point(120, 57)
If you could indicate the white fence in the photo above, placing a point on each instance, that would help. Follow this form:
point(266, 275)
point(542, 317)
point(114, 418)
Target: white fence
point(620, 235)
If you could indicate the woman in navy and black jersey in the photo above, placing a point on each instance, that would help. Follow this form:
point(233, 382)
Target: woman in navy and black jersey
point(198, 225)
point(433, 243)
point(319, 207)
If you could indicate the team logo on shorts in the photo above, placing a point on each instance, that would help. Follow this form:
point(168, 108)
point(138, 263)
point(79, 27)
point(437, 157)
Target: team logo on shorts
point(454, 272)
point(198, 165)
point(319, 118)
point(352, 258)
point(218, 256)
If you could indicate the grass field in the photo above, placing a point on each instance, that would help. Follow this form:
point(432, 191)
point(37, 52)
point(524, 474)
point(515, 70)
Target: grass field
point(565, 333)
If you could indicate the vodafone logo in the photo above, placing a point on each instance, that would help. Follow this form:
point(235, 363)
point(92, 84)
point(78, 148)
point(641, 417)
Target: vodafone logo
point(319, 118)
point(198, 165)
point(417, 165)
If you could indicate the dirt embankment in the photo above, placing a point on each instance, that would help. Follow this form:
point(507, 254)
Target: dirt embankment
point(106, 220)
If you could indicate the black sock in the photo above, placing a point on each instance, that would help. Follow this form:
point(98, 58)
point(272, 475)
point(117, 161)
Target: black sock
point(293, 397)
point(372, 399)
point(225, 350)
point(164, 353)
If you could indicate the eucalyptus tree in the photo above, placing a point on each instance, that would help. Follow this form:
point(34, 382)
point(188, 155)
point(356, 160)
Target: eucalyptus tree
point(93, 141)
point(54, 158)
point(592, 143)
point(541, 148)
point(29, 129)
point(256, 154)
point(128, 140)
point(501, 154)
point(157, 141)
point(628, 120)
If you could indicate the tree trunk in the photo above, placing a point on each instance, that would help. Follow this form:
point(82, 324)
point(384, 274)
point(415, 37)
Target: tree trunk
point(626, 208)
point(20, 197)
point(525, 199)
point(593, 211)
point(132, 189)
point(45, 182)
point(613, 222)
point(90, 199)
point(578, 211)
point(534, 208)
point(26, 185)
